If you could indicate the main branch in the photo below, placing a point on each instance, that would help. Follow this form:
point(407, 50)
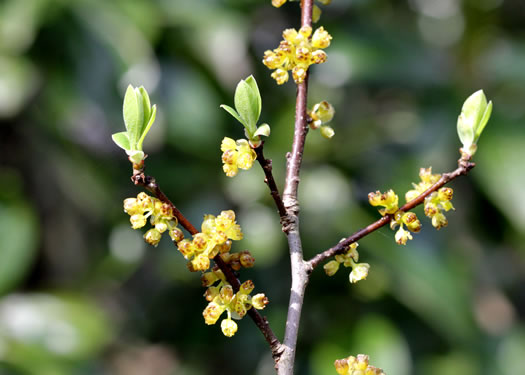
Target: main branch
point(299, 268)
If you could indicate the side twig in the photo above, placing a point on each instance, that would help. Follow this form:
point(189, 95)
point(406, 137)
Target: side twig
point(266, 165)
point(150, 184)
point(464, 166)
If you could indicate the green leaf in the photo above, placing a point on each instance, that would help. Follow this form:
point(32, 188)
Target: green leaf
point(264, 129)
point(232, 112)
point(147, 107)
point(133, 113)
point(484, 120)
point(18, 242)
point(246, 105)
point(122, 140)
point(255, 91)
point(148, 126)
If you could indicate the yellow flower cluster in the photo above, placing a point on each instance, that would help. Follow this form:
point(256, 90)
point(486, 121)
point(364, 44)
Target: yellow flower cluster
point(412, 223)
point(356, 366)
point(160, 216)
point(221, 298)
point(235, 155)
point(297, 52)
point(215, 237)
point(436, 202)
point(348, 259)
point(388, 200)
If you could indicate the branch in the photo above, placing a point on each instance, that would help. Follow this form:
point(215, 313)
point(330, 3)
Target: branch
point(266, 165)
point(150, 184)
point(299, 269)
point(464, 166)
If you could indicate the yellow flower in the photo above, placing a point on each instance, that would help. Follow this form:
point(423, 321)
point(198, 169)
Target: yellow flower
point(235, 155)
point(297, 52)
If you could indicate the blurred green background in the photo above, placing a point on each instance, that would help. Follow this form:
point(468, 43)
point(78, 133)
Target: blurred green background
point(81, 292)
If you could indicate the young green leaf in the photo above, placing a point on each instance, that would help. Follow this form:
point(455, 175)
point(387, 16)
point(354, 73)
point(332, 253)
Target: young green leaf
point(246, 105)
point(255, 91)
point(483, 122)
point(232, 112)
point(122, 140)
point(148, 126)
point(133, 113)
point(264, 129)
point(147, 107)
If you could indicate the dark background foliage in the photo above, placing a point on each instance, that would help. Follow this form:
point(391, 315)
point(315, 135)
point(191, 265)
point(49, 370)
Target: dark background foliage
point(82, 294)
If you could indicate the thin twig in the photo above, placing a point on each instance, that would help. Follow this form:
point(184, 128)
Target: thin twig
point(266, 165)
point(464, 166)
point(150, 184)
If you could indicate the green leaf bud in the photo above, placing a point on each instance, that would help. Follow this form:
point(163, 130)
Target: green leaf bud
point(473, 118)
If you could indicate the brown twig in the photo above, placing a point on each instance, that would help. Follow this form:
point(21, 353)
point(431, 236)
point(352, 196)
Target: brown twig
point(266, 165)
point(464, 166)
point(299, 270)
point(150, 184)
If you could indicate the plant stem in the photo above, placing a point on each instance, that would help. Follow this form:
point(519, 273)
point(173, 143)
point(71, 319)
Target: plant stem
point(299, 269)
point(266, 165)
point(464, 166)
point(150, 184)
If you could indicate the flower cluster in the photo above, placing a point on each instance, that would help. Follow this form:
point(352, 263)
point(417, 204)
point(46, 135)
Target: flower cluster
point(235, 155)
point(388, 200)
point(221, 298)
point(160, 216)
point(405, 218)
point(321, 114)
point(356, 366)
point(436, 202)
point(215, 237)
point(297, 52)
point(348, 259)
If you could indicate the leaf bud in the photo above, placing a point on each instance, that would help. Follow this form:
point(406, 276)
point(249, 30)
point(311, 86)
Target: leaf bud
point(474, 116)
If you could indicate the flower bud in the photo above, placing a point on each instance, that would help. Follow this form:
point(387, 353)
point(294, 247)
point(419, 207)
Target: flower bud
point(212, 313)
point(152, 237)
point(321, 38)
point(439, 221)
point(200, 262)
point(246, 287)
point(208, 278)
point(176, 234)
point(246, 259)
point(327, 131)
point(137, 221)
point(331, 267)
point(280, 75)
point(402, 236)
point(186, 248)
point(228, 327)
point(259, 301)
point(278, 3)
point(359, 272)
point(226, 294)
